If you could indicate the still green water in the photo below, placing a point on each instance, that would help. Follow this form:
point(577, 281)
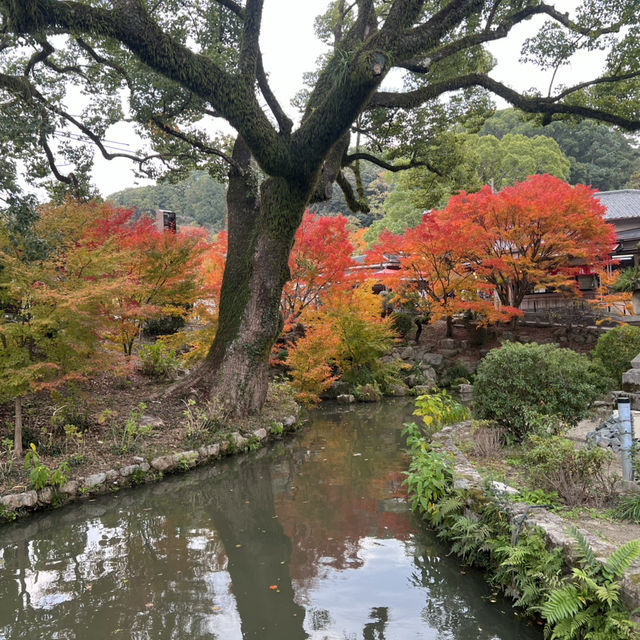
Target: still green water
point(309, 538)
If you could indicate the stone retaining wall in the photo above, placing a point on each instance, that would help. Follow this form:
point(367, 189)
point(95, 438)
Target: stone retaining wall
point(554, 526)
point(14, 505)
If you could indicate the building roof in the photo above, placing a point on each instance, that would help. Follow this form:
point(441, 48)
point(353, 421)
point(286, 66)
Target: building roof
point(621, 205)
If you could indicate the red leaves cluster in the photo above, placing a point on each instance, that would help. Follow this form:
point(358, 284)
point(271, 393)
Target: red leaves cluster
point(534, 234)
point(320, 258)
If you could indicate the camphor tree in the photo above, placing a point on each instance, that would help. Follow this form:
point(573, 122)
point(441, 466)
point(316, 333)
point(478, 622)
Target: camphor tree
point(139, 46)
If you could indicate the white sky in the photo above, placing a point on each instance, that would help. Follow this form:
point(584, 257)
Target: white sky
point(288, 53)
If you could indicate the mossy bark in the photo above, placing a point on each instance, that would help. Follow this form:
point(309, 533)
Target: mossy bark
point(262, 224)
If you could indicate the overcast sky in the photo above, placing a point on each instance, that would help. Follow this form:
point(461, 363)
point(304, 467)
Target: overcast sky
point(289, 52)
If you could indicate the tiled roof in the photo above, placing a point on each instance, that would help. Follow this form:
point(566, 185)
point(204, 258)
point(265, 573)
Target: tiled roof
point(621, 204)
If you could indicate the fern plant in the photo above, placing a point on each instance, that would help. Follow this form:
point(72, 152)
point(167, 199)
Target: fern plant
point(469, 539)
point(587, 606)
point(527, 571)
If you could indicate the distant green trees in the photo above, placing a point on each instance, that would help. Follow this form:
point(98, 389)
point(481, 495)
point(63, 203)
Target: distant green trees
point(599, 155)
point(481, 160)
point(197, 200)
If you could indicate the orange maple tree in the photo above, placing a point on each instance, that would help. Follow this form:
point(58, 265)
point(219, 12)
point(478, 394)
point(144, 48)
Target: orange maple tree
point(435, 278)
point(320, 258)
point(137, 272)
point(537, 233)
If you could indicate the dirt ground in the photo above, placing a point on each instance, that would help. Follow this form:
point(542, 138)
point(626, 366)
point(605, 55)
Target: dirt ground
point(85, 424)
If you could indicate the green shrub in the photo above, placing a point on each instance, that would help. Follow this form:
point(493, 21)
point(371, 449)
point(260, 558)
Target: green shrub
point(163, 325)
point(402, 323)
point(626, 280)
point(577, 475)
point(518, 382)
point(616, 349)
point(158, 361)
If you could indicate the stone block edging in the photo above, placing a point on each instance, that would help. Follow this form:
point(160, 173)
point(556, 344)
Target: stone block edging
point(554, 526)
point(15, 505)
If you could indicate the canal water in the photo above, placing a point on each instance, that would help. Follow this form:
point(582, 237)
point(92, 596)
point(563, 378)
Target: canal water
point(308, 538)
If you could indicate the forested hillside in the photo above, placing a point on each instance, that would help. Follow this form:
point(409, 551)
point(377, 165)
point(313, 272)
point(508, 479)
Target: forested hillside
point(197, 200)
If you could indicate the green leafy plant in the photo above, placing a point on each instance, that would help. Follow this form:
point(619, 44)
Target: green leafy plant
point(527, 570)
point(577, 475)
point(616, 348)
point(133, 430)
point(439, 409)
point(537, 496)
point(519, 382)
point(587, 605)
point(158, 361)
point(430, 474)
point(40, 475)
point(628, 509)
point(276, 428)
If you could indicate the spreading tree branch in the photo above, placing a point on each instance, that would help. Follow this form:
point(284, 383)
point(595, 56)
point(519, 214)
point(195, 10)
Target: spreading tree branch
point(412, 164)
point(530, 104)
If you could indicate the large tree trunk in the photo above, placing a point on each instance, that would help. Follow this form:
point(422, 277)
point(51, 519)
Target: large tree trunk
point(262, 224)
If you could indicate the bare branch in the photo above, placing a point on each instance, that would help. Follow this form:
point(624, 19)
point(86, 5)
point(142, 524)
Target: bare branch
point(194, 142)
point(69, 179)
point(100, 59)
point(284, 122)
point(234, 7)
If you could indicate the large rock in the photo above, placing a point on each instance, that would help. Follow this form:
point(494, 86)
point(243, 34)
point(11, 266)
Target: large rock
point(239, 441)
point(432, 359)
point(94, 480)
point(631, 378)
point(20, 500)
point(346, 398)
point(125, 472)
point(408, 353)
point(164, 464)
point(151, 421)
point(209, 451)
point(71, 488)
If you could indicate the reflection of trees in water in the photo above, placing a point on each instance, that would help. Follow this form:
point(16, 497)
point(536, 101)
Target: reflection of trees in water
point(457, 599)
point(98, 565)
point(86, 572)
point(375, 630)
point(259, 554)
point(346, 486)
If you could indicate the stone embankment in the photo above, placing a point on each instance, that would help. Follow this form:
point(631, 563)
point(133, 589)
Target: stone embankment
point(14, 505)
point(520, 514)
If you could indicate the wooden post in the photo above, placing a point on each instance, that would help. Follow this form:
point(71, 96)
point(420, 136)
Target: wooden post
point(17, 434)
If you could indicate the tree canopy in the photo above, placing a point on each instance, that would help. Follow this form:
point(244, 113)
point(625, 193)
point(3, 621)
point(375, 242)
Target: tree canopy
point(482, 160)
point(180, 64)
point(600, 156)
point(198, 199)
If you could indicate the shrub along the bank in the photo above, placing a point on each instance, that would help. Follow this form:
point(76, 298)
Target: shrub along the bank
point(577, 604)
point(517, 384)
point(616, 349)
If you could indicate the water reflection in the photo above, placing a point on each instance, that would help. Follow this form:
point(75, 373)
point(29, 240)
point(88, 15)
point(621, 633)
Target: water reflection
point(310, 539)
